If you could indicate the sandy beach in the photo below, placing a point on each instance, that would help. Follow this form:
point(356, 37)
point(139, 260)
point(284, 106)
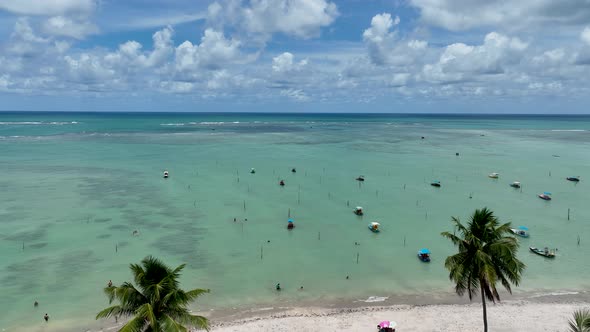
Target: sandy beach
point(506, 316)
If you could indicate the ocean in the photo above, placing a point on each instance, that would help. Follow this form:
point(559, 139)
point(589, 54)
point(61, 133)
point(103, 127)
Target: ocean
point(75, 187)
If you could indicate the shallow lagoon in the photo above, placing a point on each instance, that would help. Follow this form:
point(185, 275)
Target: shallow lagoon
point(76, 186)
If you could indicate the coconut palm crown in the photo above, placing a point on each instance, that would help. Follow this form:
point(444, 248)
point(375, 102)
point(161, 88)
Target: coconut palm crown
point(487, 255)
point(155, 303)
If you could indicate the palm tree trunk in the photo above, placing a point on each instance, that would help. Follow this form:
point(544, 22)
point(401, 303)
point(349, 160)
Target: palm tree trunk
point(485, 315)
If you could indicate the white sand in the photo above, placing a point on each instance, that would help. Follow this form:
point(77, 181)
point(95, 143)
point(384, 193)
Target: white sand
point(507, 316)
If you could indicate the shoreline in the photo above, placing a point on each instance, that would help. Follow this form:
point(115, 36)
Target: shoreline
point(406, 310)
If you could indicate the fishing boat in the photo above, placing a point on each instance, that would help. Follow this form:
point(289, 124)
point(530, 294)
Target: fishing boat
point(521, 231)
point(165, 174)
point(358, 211)
point(290, 224)
point(573, 178)
point(546, 196)
point(515, 184)
point(435, 183)
point(494, 175)
point(374, 227)
point(360, 178)
point(549, 253)
point(424, 255)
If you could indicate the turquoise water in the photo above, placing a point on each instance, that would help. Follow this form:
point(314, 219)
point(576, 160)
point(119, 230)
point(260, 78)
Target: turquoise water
point(76, 185)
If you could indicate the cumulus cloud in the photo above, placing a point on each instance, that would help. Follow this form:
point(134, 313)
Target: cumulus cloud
point(585, 35)
point(299, 18)
point(48, 8)
point(467, 14)
point(384, 46)
point(213, 51)
point(460, 62)
point(67, 27)
point(284, 63)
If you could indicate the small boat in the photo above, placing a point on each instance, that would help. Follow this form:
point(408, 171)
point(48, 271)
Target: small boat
point(165, 174)
point(545, 252)
point(424, 255)
point(494, 175)
point(281, 183)
point(293, 170)
point(374, 227)
point(521, 231)
point(573, 178)
point(290, 224)
point(546, 196)
point(360, 178)
point(435, 183)
point(252, 171)
point(515, 184)
point(358, 211)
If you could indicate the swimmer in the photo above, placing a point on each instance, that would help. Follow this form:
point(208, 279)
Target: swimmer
point(278, 287)
point(110, 284)
point(46, 317)
point(347, 277)
point(135, 232)
point(36, 304)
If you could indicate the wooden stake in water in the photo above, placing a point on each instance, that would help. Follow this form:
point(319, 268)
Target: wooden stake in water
point(347, 203)
point(116, 248)
point(289, 213)
point(404, 187)
point(426, 215)
point(357, 257)
point(549, 173)
point(23, 246)
point(404, 240)
point(568, 213)
point(261, 252)
point(578, 240)
point(319, 236)
point(244, 205)
point(298, 198)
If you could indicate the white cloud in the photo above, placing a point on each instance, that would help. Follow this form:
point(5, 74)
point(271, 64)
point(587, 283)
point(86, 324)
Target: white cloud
point(166, 19)
point(213, 51)
point(295, 94)
point(67, 27)
point(23, 40)
point(379, 38)
point(461, 62)
point(459, 15)
point(585, 35)
point(300, 18)
point(284, 63)
point(48, 7)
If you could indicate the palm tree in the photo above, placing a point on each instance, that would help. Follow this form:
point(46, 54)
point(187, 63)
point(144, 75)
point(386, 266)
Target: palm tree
point(486, 255)
point(580, 321)
point(157, 304)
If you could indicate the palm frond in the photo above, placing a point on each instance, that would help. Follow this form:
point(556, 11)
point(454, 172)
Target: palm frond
point(137, 324)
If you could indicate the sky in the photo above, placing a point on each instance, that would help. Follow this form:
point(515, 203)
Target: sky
point(400, 56)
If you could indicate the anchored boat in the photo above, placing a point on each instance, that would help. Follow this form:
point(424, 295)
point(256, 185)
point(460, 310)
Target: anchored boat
point(435, 183)
point(573, 178)
point(549, 253)
point(358, 211)
point(165, 174)
point(374, 227)
point(546, 196)
point(521, 231)
point(424, 255)
point(515, 184)
point(494, 175)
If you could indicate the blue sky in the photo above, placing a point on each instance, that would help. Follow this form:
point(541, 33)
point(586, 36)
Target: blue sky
point(492, 56)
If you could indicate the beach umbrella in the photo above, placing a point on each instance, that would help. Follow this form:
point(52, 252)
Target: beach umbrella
point(424, 251)
point(290, 221)
point(384, 323)
point(524, 228)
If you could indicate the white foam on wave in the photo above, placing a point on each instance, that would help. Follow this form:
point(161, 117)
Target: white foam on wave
point(37, 123)
point(574, 130)
point(373, 299)
point(554, 294)
point(172, 124)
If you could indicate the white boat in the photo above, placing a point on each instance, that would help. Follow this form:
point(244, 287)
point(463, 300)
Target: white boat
point(374, 227)
point(515, 184)
point(358, 211)
point(520, 231)
point(165, 174)
point(494, 175)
